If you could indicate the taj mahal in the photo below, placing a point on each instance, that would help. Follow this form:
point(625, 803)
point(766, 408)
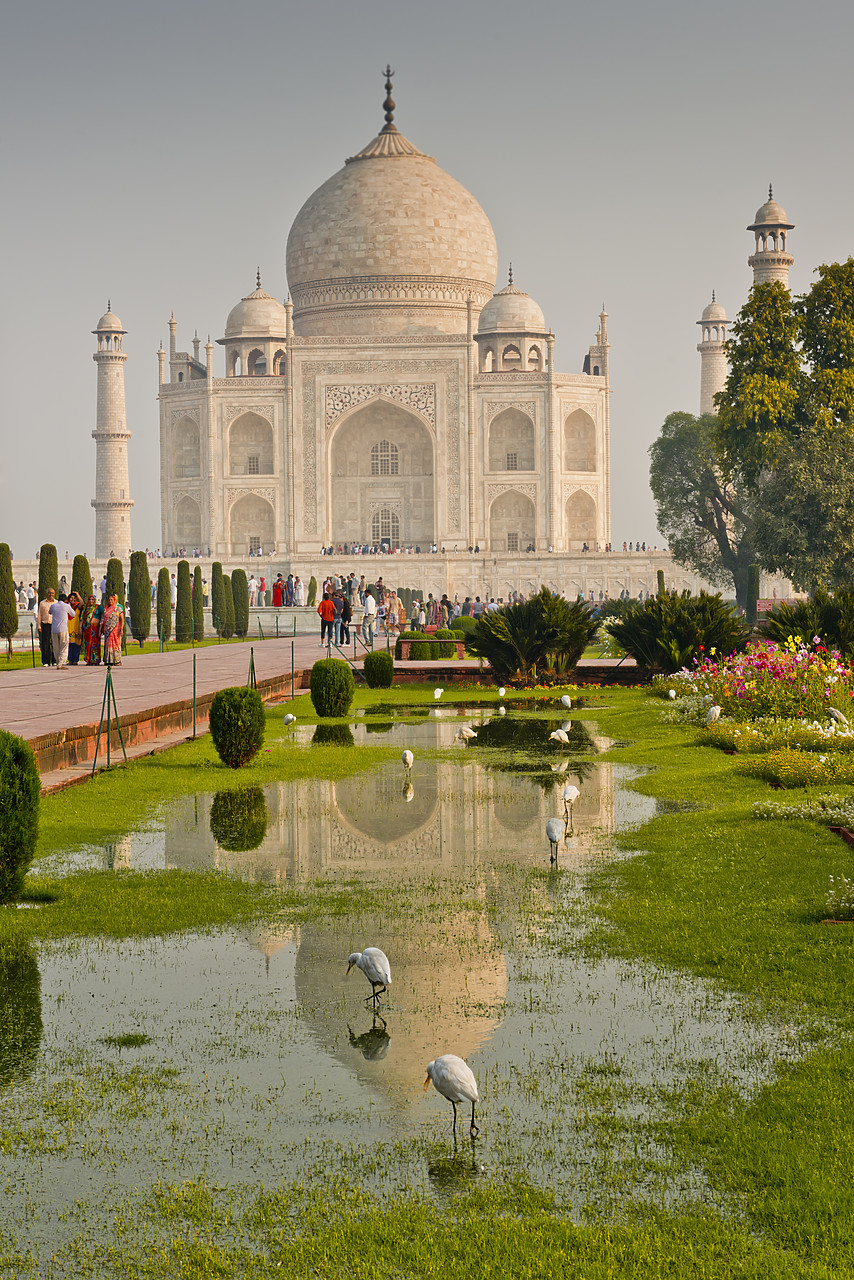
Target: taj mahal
point(398, 399)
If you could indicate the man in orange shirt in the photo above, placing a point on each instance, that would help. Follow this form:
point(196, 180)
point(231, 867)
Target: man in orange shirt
point(326, 609)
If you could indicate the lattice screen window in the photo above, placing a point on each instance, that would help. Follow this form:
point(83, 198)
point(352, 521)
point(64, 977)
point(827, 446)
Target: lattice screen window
point(253, 464)
point(384, 459)
point(385, 525)
point(512, 462)
point(512, 542)
point(254, 544)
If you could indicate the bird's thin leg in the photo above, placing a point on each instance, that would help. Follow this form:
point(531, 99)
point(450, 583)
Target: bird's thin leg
point(454, 1126)
point(473, 1129)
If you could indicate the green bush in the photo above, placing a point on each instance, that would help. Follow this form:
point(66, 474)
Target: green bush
point(116, 579)
point(183, 605)
point(239, 819)
point(464, 623)
point(331, 687)
point(19, 813)
point(311, 598)
point(217, 597)
point(443, 650)
point(543, 634)
point(8, 599)
point(831, 618)
point(198, 605)
point(422, 651)
point(164, 605)
point(379, 669)
point(139, 597)
point(81, 578)
point(236, 722)
point(666, 633)
point(240, 597)
point(48, 571)
point(228, 610)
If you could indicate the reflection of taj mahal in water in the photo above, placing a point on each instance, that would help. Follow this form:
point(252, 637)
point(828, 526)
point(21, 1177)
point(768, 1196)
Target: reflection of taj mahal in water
point(398, 399)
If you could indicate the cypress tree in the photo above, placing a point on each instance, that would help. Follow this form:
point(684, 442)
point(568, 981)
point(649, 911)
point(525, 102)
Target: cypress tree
point(662, 590)
point(183, 605)
point(116, 580)
point(228, 608)
point(48, 571)
point(217, 597)
point(240, 594)
point(164, 605)
point(198, 605)
point(8, 600)
point(81, 578)
point(139, 597)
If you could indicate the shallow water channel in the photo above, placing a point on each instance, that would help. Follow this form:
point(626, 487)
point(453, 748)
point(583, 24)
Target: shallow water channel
point(262, 1063)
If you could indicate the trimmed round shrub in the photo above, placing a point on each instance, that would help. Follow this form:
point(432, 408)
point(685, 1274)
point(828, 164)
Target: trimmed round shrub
point(424, 651)
point(331, 687)
point(464, 623)
point(237, 725)
point(443, 650)
point(239, 819)
point(19, 813)
point(379, 669)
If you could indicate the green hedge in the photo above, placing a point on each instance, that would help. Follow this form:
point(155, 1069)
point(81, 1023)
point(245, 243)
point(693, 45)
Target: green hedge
point(19, 813)
point(443, 650)
point(331, 687)
point(237, 725)
point(424, 651)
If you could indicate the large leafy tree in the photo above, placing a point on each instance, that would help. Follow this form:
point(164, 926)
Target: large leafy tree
point(706, 515)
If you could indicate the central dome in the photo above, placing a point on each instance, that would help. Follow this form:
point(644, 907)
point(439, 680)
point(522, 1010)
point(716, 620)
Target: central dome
point(390, 244)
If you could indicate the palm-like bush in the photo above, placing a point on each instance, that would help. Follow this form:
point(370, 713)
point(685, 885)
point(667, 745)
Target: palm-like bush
point(667, 632)
point(831, 618)
point(544, 633)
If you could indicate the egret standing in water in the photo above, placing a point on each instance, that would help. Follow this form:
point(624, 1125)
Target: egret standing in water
point(408, 760)
point(454, 1079)
point(570, 795)
point(376, 968)
point(289, 719)
point(566, 701)
point(465, 734)
point(437, 693)
point(555, 832)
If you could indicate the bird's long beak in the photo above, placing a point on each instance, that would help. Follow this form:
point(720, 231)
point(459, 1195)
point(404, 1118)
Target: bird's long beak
point(426, 1084)
point(347, 974)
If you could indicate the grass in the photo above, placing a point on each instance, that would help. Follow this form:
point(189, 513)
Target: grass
point(711, 893)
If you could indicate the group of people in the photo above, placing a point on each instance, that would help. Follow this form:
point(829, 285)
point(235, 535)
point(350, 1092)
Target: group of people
point(287, 592)
point(69, 628)
point(385, 612)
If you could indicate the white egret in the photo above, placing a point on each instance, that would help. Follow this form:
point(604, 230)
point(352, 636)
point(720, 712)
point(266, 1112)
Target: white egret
point(289, 719)
point(437, 693)
point(501, 692)
point(714, 714)
point(555, 832)
point(376, 968)
point(465, 734)
point(566, 701)
point(454, 1079)
point(837, 716)
point(671, 693)
point(570, 795)
point(502, 711)
point(559, 735)
point(408, 760)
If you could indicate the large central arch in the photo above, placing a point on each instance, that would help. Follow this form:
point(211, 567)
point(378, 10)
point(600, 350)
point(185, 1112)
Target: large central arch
point(381, 459)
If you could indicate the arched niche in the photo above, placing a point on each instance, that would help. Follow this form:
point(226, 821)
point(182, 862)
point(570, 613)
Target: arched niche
point(579, 442)
point(235, 365)
point(256, 363)
point(580, 521)
point(188, 524)
point(252, 524)
point(512, 522)
point(488, 361)
point(250, 446)
point(279, 364)
point(374, 434)
point(535, 360)
point(511, 357)
point(511, 442)
point(186, 452)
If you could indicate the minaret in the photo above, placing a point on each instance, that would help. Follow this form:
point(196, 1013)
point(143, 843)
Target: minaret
point(770, 261)
point(112, 501)
point(713, 361)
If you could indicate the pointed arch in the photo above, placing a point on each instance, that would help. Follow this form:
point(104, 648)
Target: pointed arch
point(188, 523)
point(186, 449)
point(512, 522)
point(511, 442)
point(579, 442)
point(250, 446)
point(580, 521)
point(251, 523)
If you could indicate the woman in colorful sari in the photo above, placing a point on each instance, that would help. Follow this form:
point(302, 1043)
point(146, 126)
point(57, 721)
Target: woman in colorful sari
point(91, 626)
point(112, 625)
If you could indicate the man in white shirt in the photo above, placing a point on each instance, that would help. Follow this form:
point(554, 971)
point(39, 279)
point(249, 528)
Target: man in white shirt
point(253, 591)
point(60, 612)
point(370, 617)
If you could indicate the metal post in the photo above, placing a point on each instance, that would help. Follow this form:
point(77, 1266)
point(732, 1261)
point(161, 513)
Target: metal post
point(33, 643)
point(251, 682)
point(194, 695)
point(292, 671)
point(277, 626)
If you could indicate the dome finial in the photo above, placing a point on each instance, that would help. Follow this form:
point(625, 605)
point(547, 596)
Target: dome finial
point(109, 305)
point(511, 273)
point(258, 278)
point(388, 105)
point(713, 295)
point(770, 192)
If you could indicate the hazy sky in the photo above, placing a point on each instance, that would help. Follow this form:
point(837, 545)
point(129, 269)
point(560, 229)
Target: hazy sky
point(156, 153)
